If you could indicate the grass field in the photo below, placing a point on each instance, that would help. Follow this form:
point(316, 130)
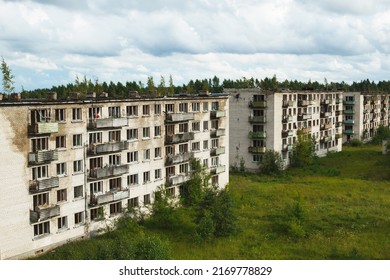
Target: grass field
point(338, 208)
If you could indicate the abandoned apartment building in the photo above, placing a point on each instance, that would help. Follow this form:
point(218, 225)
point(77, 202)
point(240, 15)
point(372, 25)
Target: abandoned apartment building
point(68, 166)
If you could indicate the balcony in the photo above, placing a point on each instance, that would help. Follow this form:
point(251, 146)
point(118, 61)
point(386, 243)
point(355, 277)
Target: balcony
point(303, 103)
point(107, 123)
point(42, 156)
point(178, 158)
point(42, 213)
point(348, 131)
point(258, 104)
point(43, 184)
point(179, 138)
point(287, 147)
point(287, 118)
point(339, 101)
point(349, 121)
point(349, 102)
point(177, 179)
point(43, 128)
point(217, 132)
point(304, 117)
point(326, 101)
point(287, 103)
point(326, 139)
point(109, 197)
point(257, 150)
point(179, 117)
point(217, 151)
point(109, 171)
point(349, 112)
point(257, 119)
point(111, 147)
point(217, 169)
point(338, 136)
point(258, 135)
point(287, 133)
point(306, 130)
point(325, 114)
point(217, 114)
point(325, 126)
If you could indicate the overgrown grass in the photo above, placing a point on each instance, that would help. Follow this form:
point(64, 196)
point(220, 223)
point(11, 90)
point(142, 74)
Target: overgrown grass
point(338, 208)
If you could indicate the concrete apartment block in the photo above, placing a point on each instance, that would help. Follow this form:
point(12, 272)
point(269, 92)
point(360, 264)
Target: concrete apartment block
point(69, 167)
point(262, 120)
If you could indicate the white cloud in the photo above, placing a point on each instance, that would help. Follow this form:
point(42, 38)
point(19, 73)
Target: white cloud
point(125, 40)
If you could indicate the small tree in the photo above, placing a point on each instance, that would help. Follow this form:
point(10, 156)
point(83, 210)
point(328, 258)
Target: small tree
point(8, 83)
point(303, 150)
point(272, 162)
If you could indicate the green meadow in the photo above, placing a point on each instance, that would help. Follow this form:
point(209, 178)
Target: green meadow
point(338, 208)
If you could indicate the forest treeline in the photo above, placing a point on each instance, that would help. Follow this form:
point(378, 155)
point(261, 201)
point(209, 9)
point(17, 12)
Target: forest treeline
point(162, 87)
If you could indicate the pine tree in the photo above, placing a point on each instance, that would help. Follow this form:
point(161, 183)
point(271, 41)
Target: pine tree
point(8, 83)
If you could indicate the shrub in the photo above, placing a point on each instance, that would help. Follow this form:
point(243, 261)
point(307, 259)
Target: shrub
point(272, 163)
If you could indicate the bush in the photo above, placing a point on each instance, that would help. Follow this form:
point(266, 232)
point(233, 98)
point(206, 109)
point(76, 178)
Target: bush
point(272, 163)
point(355, 142)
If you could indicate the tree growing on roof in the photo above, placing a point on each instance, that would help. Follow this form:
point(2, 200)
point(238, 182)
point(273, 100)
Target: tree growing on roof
point(8, 83)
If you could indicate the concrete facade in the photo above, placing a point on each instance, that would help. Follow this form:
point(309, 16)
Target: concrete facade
point(271, 120)
point(69, 167)
point(363, 114)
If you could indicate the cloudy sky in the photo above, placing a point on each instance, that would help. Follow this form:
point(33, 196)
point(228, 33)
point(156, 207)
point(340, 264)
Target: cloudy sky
point(49, 42)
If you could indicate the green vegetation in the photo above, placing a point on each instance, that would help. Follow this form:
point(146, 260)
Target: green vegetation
point(272, 163)
point(8, 83)
point(336, 208)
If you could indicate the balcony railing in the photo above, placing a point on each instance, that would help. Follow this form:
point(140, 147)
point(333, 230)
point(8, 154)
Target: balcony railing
point(42, 213)
point(217, 151)
point(338, 136)
point(111, 147)
point(107, 123)
point(258, 135)
point(177, 179)
point(339, 100)
point(257, 150)
point(304, 116)
point(349, 102)
point(325, 114)
point(348, 131)
point(217, 132)
point(287, 103)
point(43, 184)
point(349, 121)
point(286, 133)
point(217, 114)
point(326, 101)
point(42, 156)
point(43, 128)
point(109, 171)
point(287, 147)
point(326, 139)
point(258, 104)
point(217, 169)
point(325, 126)
point(257, 119)
point(306, 130)
point(179, 138)
point(179, 117)
point(109, 197)
point(178, 158)
point(349, 112)
point(303, 103)
point(287, 118)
